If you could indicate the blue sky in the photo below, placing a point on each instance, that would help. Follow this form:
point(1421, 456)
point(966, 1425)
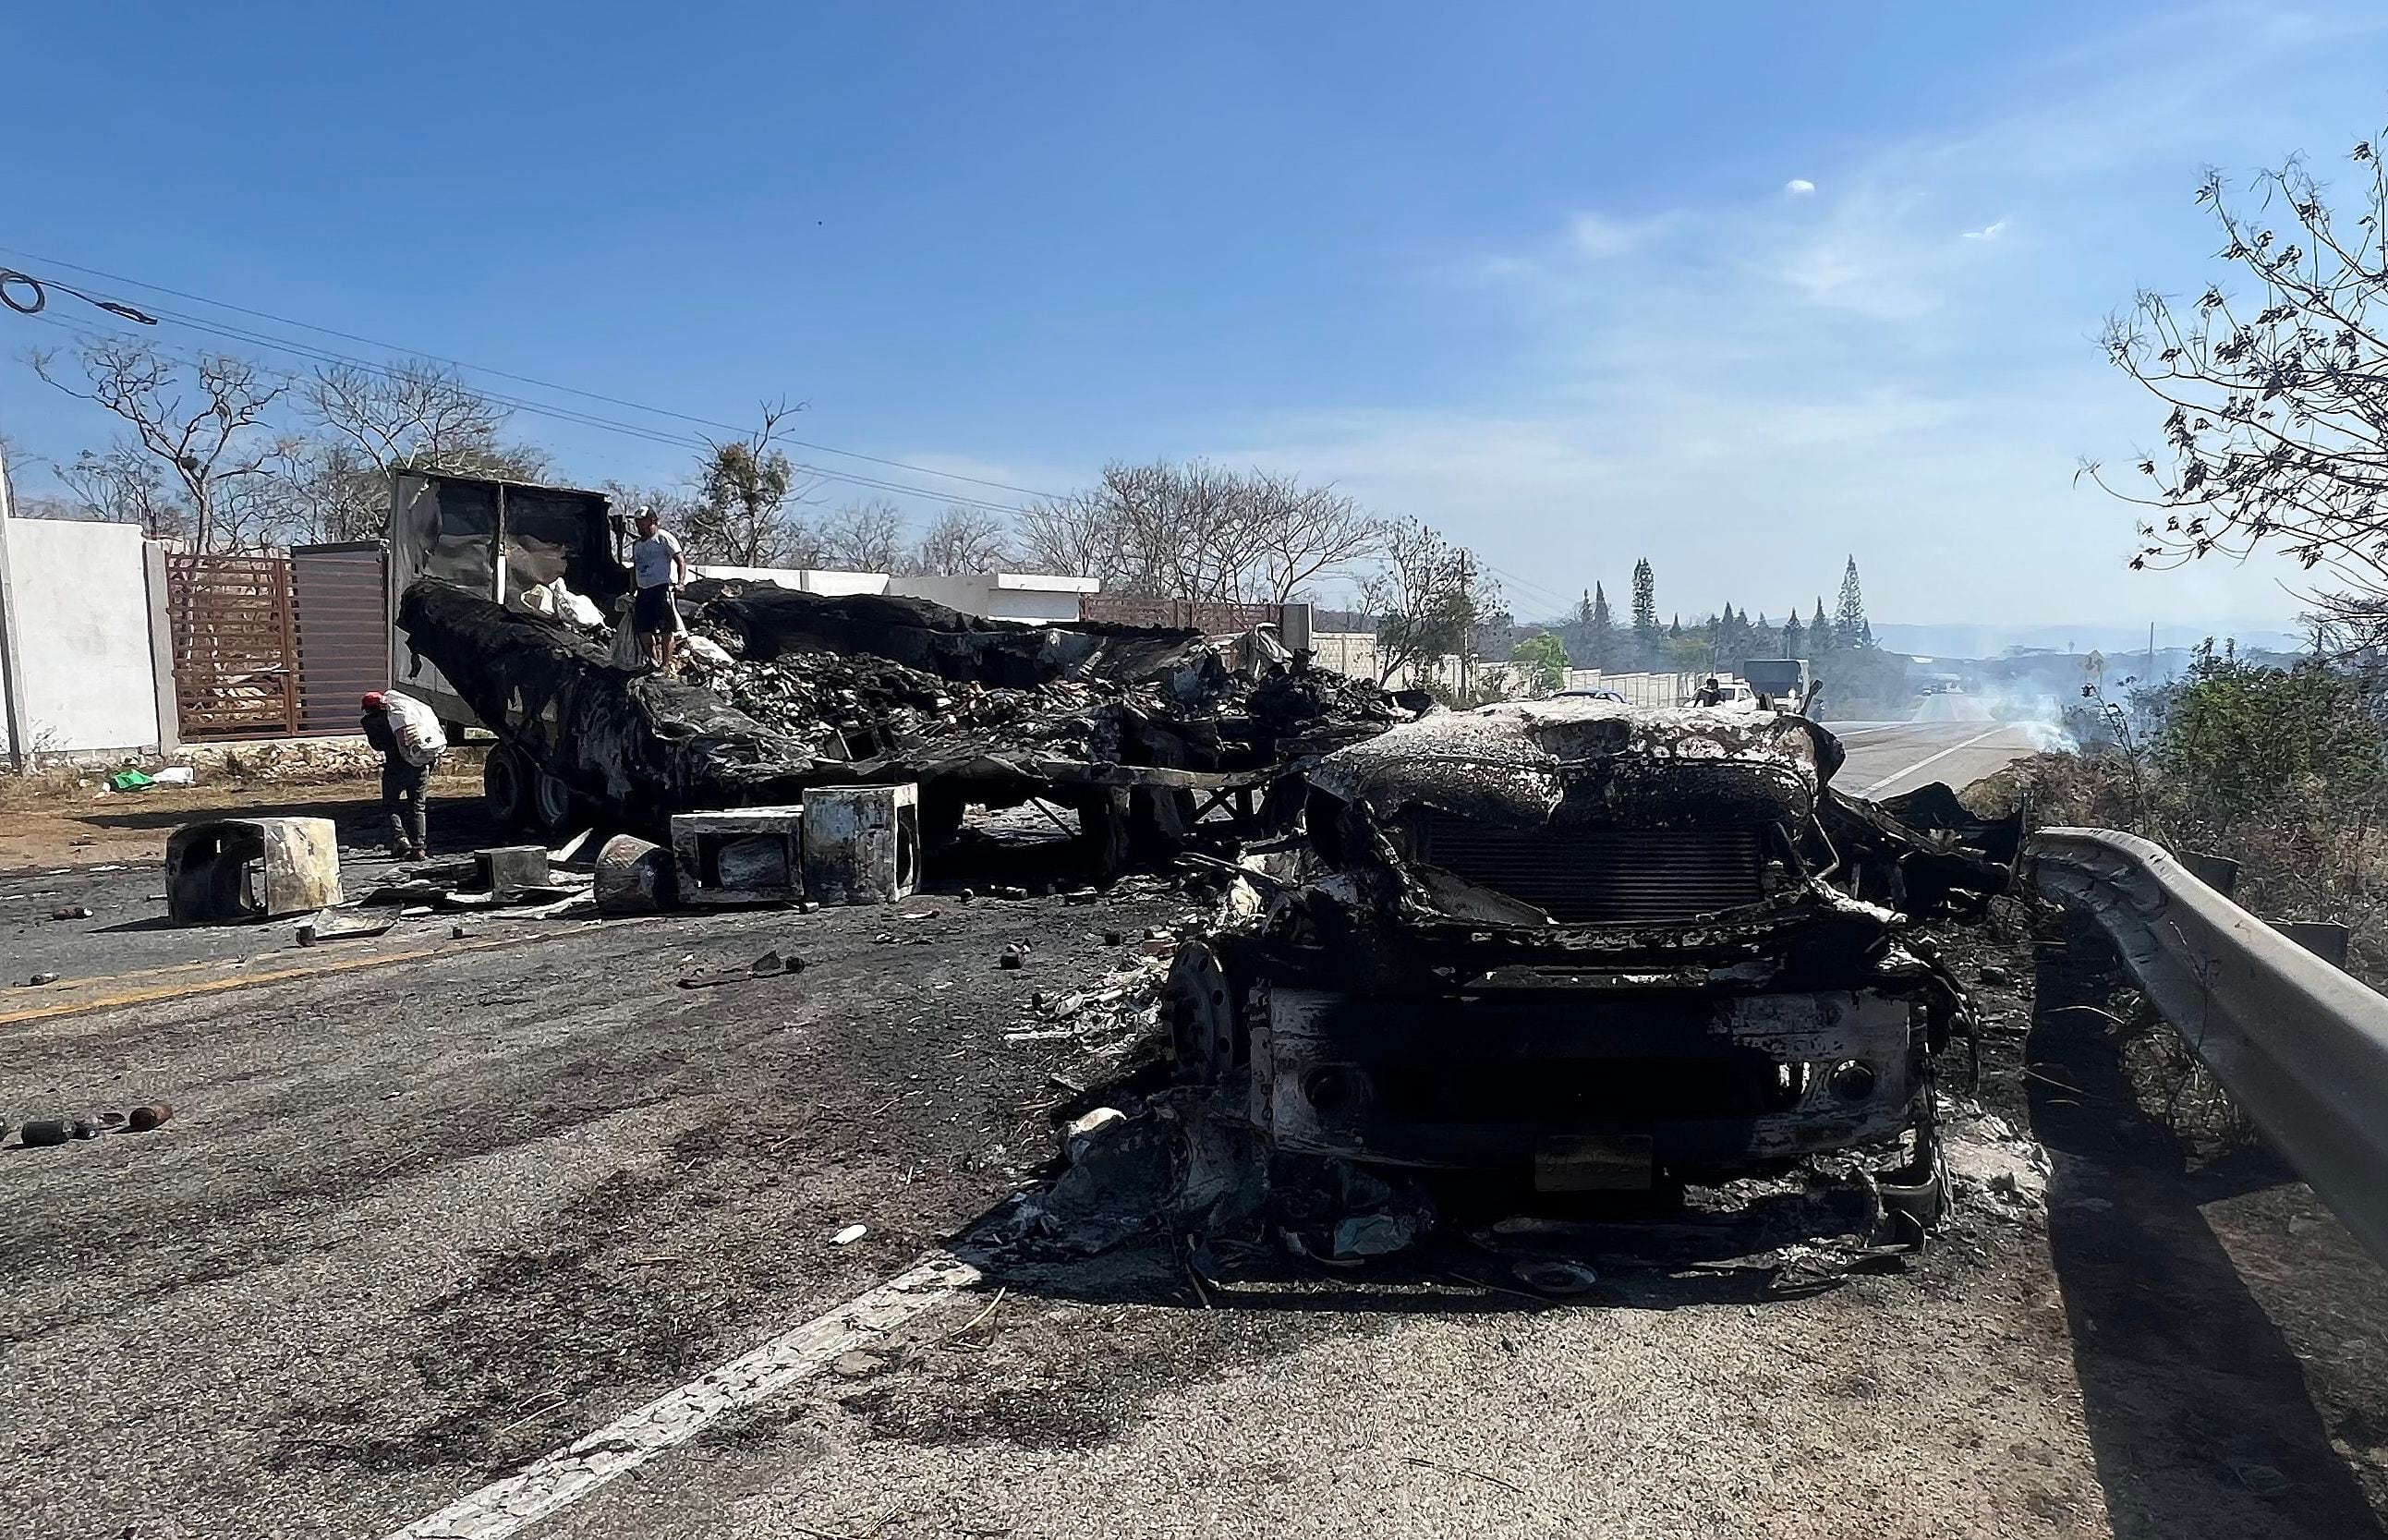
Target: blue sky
point(1743, 290)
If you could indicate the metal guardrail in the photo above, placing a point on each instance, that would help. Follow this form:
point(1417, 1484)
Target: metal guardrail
point(2301, 1046)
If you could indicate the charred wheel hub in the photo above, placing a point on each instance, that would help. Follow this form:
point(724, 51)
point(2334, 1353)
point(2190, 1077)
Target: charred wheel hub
point(1198, 1009)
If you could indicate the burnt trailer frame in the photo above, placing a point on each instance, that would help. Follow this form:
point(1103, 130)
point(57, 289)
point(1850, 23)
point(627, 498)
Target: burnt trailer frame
point(642, 747)
point(1537, 1006)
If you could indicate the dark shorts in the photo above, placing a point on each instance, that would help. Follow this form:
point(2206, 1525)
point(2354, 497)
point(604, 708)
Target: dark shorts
point(654, 613)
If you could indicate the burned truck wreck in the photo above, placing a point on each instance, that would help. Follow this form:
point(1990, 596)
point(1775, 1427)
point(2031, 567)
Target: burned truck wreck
point(1584, 945)
point(1142, 731)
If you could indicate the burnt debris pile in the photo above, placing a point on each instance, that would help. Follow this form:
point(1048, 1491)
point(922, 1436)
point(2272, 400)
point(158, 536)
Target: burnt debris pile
point(1137, 727)
point(872, 675)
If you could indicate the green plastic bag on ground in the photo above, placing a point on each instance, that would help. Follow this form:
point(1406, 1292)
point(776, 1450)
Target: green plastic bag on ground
point(127, 781)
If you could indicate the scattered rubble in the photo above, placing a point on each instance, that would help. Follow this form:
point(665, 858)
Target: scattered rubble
point(771, 964)
point(1552, 1274)
point(330, 925)
point(44, 1132)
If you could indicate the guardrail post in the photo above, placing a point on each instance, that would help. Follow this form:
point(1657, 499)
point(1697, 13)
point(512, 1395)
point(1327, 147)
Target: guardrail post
point(2326, 939)
point(2218, 872)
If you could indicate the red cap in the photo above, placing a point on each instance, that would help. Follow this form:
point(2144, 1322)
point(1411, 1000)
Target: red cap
point(373, 701)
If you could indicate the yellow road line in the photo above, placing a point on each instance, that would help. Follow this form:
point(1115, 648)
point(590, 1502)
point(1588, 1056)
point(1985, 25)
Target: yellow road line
point(146, 994)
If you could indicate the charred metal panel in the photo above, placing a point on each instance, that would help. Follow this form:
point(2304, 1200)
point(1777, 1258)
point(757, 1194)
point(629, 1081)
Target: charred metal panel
point(1601, 876)
point(1480, 1081)
point(1518, 763)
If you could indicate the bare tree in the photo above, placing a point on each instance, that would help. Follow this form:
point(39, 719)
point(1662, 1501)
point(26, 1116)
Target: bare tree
point(25, 504)
point(1200, 533)
point(1075, 535)
point(125, 485)
point(1428, 598)
point(744, 486)
point(203, 418)
point(962, 539)
point(864, 537)
point(1298, 532)
point(2277, 434)
point(414, 414)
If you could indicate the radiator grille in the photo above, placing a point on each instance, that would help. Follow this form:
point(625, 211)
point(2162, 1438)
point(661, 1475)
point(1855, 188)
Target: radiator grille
point(1602, 877)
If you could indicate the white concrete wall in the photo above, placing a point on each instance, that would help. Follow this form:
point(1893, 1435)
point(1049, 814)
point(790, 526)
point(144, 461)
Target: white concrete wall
point(1352, 653)
point(83, 610)
point(1027, 596)
point(1033, 597)
point(804, 579)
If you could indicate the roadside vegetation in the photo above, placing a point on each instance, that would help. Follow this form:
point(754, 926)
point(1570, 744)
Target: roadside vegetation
point(2276, 768)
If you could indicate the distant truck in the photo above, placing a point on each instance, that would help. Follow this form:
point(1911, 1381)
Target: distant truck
point(1785, 681)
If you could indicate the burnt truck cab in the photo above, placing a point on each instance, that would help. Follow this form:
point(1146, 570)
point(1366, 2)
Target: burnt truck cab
point(1582, 943)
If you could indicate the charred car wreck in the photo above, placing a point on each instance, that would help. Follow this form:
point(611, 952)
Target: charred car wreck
point(1586, 946)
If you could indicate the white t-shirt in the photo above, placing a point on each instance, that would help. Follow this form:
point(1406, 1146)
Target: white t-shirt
point(652, 558)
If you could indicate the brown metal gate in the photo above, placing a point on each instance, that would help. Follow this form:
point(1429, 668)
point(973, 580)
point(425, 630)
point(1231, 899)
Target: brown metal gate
point(342, 602)
point(1212, 620)
point(235, 652)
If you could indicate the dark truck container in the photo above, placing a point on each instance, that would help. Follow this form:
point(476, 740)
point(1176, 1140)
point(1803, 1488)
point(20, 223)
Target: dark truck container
point(1784, 681)
point(492, 538)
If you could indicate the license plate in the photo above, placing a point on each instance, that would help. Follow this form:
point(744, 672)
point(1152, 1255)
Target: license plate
point(1596, 1162)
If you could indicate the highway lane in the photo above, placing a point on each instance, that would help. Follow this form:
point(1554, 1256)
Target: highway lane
point(1952, 739)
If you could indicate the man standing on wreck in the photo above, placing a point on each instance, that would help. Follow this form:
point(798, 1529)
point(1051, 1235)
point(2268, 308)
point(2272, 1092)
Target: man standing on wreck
point(659, 568)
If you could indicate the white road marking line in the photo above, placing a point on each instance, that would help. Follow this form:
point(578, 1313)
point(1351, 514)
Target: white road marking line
point(572, 1472)
point(1934, 759)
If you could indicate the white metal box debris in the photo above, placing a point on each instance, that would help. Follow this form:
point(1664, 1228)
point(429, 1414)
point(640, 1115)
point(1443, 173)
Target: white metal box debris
point(252, 869)
point(862, 844)
point(739, 856)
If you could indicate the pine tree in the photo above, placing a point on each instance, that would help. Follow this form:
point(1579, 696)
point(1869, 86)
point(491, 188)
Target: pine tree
point(1819, 631)
point(1600, 633)
point(1645, 614)
point(1849, 628)
point(1795, 638)
point(1577, 632)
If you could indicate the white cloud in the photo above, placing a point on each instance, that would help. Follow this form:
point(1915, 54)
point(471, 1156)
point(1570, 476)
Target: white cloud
point(1986, 232)
point(1799, 187)
point(1600, 237)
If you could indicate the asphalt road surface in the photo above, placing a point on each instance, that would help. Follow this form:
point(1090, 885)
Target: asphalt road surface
point(417, 1227)
point(1951, 738)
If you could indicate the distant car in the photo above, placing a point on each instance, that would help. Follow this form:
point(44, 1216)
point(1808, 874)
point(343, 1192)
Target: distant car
point(1589, 695)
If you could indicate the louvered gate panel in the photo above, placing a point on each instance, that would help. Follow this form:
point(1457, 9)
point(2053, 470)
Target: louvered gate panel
point(342, 602)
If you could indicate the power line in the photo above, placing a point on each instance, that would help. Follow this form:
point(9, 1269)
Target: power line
point(524, 379)
point(543, 409)
point(1532, 590)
